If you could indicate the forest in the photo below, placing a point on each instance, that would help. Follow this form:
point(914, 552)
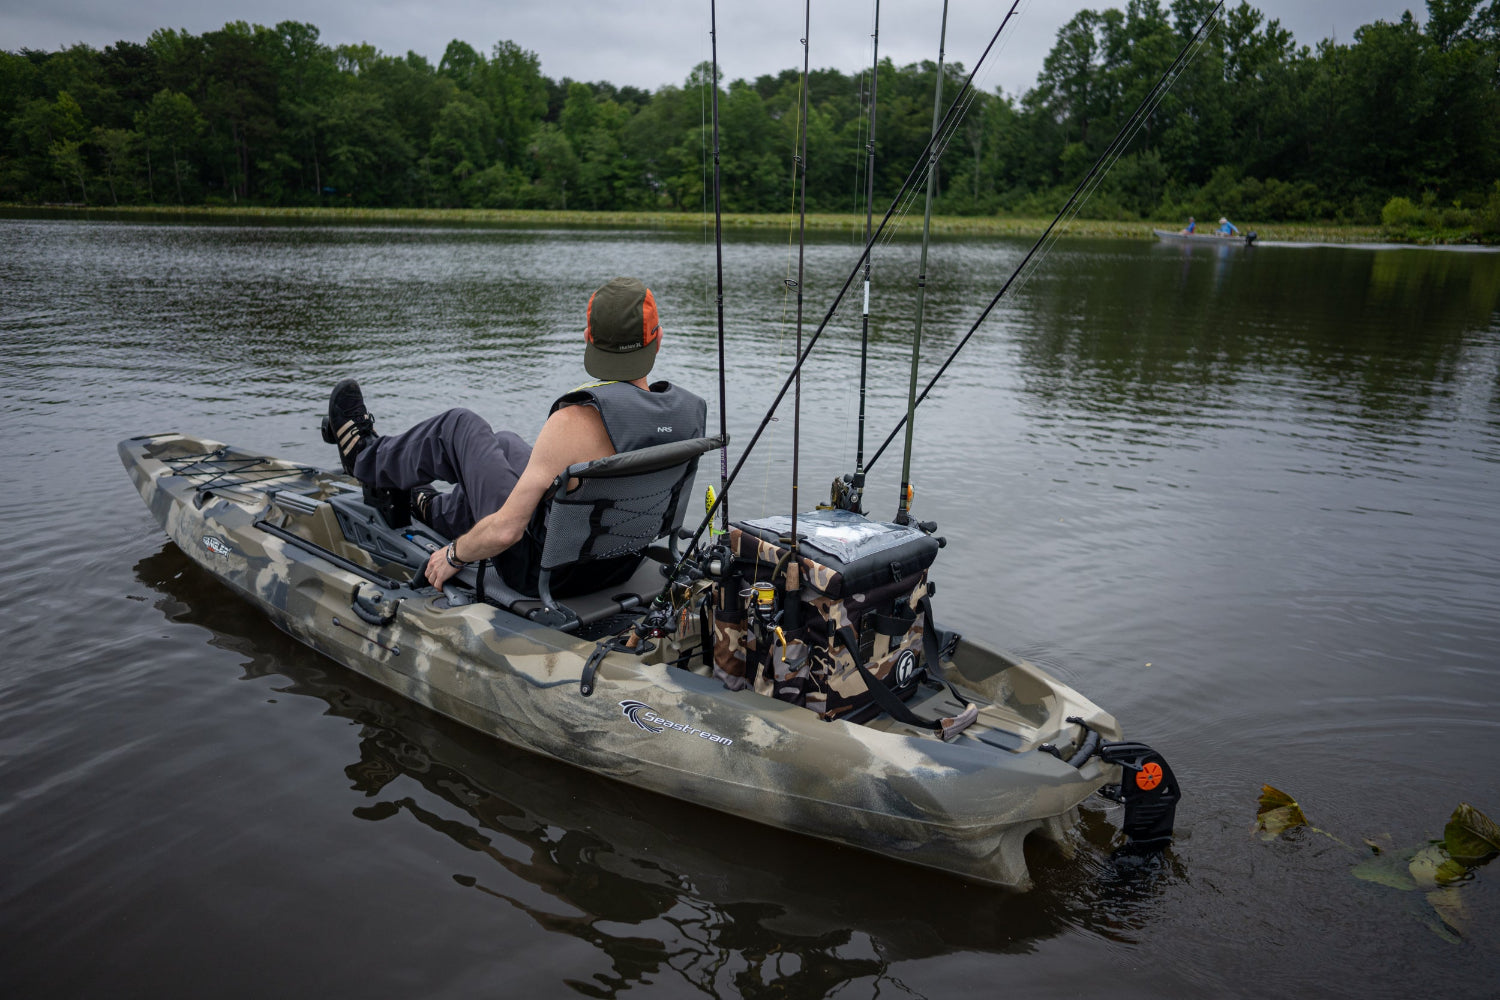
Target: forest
point(1400, 124)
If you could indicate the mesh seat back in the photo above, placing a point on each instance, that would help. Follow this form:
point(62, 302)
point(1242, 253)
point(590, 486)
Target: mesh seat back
point(622, 503)
point(617, 516)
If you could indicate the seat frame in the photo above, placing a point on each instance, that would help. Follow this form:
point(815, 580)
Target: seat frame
point(590, 487)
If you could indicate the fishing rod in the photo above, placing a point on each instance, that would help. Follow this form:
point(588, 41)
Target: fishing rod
point(916, 171)
point(719, 260)
point(903, 503)
point(1112, 151)
point(853, 498)
point(793, 607)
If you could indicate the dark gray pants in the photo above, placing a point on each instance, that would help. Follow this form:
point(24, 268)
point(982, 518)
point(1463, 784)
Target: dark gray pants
point(458, 447)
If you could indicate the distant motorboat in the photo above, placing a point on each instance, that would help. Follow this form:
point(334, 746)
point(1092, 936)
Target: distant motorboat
point(1170, 235)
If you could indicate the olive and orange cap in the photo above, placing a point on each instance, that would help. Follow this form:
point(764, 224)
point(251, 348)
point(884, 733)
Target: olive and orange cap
point(623, 331)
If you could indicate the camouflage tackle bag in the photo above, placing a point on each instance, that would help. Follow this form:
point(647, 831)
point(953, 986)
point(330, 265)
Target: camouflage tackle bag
point(862, 593)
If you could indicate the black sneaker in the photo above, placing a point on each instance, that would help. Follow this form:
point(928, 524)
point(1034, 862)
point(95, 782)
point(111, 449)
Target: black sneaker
point(348, 424)
point(421, 503)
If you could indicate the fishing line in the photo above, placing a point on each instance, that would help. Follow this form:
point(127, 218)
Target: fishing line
point(903, 502)
point(786, 287)
point(864, 128)
point(1111, 152)
point(703, 154)
point(1094, 185)
point(832, 309)
point(792, 612)
point(950, 130)
point(713, 35)
point(856, 489)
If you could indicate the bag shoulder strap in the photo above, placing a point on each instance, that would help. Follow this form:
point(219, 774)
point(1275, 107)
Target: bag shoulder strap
point(947, 728)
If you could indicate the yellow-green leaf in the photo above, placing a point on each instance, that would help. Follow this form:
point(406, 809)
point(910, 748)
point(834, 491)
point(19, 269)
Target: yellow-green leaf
point(1424, 865)
point(1451, 871)
point(1449, 906)
point(1388, 871)
point(1471, 837)
point(1278, 813)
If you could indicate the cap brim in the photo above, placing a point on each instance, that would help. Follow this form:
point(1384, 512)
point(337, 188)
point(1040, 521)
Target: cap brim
point(626, 367)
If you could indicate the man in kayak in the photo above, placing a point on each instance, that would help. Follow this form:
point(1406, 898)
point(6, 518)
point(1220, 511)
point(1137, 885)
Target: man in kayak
point(1190, 227)
point(499, 479)
point(1227, 228)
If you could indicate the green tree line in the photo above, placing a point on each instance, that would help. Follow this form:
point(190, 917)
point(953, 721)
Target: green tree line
point(1402, 118)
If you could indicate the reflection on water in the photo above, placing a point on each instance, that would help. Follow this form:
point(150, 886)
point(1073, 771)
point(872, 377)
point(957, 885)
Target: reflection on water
point(1243, 500)
point(1188, 349)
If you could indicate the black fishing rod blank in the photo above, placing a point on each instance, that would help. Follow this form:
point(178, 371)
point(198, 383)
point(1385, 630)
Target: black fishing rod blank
point(916, 171)
point(1116, 144)
point(719, 260)
point(903, 502)
point(793, 606)
point(852, 497)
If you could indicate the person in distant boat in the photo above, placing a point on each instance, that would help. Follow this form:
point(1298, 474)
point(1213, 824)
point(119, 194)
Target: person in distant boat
point(1191, 227)
point(499, 479)
point(1227, 228)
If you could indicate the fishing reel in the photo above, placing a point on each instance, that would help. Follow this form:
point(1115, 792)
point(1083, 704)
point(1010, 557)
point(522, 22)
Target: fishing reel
point(903, 515)
point(657, 621)
point(767, 616)
point(846, 493)
point(765, 607)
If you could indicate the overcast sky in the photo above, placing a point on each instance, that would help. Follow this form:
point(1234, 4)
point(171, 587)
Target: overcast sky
point(647, 44)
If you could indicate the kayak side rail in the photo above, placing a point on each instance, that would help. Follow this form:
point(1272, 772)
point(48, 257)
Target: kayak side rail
point(348, 565)
point(297, 503)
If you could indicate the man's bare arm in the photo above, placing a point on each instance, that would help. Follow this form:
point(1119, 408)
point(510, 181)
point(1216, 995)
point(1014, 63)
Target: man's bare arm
point(571, 435)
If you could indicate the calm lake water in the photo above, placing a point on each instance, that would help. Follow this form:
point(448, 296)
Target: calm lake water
point(1245, 500)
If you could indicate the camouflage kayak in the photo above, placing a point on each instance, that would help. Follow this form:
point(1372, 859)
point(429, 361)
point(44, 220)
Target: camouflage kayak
point(301, 544)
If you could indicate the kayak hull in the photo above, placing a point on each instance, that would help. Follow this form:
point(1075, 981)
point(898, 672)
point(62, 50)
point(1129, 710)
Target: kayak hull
point(269, 530)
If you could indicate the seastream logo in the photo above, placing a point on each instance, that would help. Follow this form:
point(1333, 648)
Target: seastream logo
point(645, 716)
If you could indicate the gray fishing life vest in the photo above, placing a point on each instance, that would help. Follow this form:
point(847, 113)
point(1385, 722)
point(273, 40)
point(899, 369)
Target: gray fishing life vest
point(634, 418)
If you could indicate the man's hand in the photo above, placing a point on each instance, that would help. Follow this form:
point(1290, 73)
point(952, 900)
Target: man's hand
point(438, 570)
point(571, 435)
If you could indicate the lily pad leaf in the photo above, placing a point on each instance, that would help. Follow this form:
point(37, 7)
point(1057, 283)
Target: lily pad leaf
point(1471, 837)
point(1278, 813)
point(1426, 865)
point(1388, 871)
point(1449, 907)
point(1451, 871)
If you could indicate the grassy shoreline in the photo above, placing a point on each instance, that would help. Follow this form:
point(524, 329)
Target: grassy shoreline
point(1002, 226)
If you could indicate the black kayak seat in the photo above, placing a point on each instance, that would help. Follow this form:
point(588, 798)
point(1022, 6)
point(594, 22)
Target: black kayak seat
point(617, 507)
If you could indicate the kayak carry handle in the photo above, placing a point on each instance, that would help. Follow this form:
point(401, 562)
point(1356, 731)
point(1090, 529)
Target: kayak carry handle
point(367, 609)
